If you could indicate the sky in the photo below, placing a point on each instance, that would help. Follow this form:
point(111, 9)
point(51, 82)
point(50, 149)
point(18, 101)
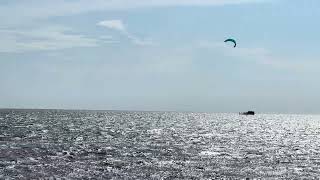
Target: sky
point(160, 55)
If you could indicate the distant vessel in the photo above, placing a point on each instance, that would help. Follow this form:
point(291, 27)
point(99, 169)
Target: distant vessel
point(248, 113)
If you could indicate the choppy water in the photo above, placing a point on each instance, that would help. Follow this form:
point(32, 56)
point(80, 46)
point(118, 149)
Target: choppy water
point(157, 145)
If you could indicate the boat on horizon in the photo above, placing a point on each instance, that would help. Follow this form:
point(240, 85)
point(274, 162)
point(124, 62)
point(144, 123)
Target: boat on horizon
point(247, 113)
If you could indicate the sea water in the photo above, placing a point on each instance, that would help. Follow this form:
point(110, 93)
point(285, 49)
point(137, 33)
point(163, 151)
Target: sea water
point(157, 145)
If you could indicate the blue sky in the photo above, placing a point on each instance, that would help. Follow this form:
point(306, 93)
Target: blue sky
point(160, 55)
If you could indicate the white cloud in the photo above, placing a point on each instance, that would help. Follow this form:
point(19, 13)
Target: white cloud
point(118, 25)
point(113, 24)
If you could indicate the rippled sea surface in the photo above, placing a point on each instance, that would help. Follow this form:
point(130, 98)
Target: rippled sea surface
point(157, 145)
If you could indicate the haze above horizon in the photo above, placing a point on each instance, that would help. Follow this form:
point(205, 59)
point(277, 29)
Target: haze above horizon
point(161, 55)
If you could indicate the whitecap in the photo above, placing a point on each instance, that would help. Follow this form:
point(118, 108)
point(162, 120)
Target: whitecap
point(209, 153)
point(155, 131)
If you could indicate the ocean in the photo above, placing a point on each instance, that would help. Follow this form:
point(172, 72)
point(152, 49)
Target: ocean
point(62, 144)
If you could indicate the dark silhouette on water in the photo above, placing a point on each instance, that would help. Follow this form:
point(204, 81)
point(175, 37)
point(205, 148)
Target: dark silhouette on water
point(248, 113)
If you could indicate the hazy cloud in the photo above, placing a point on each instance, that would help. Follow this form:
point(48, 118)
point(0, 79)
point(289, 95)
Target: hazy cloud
point(21, 18)
point(46, 8)
point(49, 38)
point(261, 56)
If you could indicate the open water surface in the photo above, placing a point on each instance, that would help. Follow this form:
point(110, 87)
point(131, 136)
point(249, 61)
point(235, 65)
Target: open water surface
point(157, 145)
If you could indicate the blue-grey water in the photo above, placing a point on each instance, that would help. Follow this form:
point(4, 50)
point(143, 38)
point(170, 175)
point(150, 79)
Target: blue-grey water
point(157, 145)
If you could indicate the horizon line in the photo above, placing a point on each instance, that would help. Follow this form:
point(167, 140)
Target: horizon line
point(176, 111)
